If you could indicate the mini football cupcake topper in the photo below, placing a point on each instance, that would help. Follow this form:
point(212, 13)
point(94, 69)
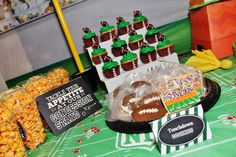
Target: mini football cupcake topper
point(107, 59)
point(119, 20)
point(104, 23)
point(115, 38)
point(86, 30)
point(137, 13)
point(96, 46)
point(150, 27)
point(144, 44)
point(132, 32)
point(161, 38)
point(124, 51)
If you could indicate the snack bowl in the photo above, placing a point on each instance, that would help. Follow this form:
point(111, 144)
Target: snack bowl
point(213, 92)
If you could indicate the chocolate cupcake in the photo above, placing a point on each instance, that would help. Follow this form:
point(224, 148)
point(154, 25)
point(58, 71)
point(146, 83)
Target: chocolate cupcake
point(90, 38)
point(107, 32)
point(123, 27)
point(164, 48)
point(129, 61)
point(98, 55)
point(111, 69)
point(148, 54)
point(135, 40)
point(139, 20)
point(152, 35)
point(119, 47)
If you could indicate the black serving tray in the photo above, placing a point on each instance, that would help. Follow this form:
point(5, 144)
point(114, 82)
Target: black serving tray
point(212, 96)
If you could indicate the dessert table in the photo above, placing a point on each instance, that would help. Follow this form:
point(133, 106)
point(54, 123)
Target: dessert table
point(92, 137)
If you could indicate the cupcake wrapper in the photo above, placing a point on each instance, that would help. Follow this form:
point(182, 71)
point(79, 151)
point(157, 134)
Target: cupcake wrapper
point(152, 38)
point(112, 72)
point(90, 42)
point(135, 45)
point(99, 59)
point(130, 65)
point(108, 35)
point(165, 51)
point(140, 24)
point(118, 51)
point(123, 30)
point(146, 58)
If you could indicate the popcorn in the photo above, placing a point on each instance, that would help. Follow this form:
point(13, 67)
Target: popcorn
point(38, 85)
point(11, 143)
point(23, 105)
point(58, 77)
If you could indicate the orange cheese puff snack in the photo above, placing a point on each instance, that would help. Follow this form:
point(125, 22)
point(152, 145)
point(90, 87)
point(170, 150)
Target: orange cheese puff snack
point(38, 85)
point(11, 143)
point(23, 105)
point(58, 77)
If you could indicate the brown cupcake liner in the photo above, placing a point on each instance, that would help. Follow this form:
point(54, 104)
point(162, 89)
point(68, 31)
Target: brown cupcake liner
point(135, 45)
point(123, 30)
point(152, 38)
point(130, 65)
point(146, 58)
point(108, 35)
point(169, 49)
point(118, 51)
point(112, 72)
point(99, 58)
point(90, 42)
point(140, 24)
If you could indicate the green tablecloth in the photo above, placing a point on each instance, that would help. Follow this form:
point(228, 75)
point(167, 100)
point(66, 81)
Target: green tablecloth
point(92, 137)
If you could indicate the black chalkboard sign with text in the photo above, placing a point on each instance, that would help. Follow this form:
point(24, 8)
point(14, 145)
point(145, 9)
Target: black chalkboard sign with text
point(67, 105)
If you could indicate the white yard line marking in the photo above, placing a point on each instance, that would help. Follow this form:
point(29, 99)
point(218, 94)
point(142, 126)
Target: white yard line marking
point(91, 122)
point(109, 153)
point(221, 78)
point(214, 78)
point(54, 152)
point(50, 142)
point(51, 151)
point(207, 146)
point(42, 155)
point(91, 143)
point(78, 135)
point(213, 122)
point(223, 92)
point(233, 71)
point(215, 107)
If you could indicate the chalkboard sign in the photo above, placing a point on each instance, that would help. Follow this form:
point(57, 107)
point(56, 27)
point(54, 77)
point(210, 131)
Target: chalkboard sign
point(67, 105)
point(181, 130)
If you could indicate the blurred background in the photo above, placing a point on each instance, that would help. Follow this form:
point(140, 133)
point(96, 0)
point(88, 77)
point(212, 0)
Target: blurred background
point(41, 42)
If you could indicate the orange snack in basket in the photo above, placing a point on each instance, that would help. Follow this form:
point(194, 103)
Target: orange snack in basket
point(38, 85)
point(58, 77)
point(11, 143)
point(23, 105)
